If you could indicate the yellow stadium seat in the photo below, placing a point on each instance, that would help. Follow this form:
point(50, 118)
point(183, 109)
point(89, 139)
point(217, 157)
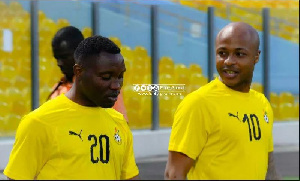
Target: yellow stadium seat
point(87, 32)
point(13, 121)
point(286, 97)
point(133, 102)
point(195, 68)
point(257, 87)
point(275, 108)
point(137, 79)
point(42, 16)
point(286, 111)
point(19, 108)
point(274, 98)
point(25, 72)
point(44, 74)
point(2, 125)
point(127, 52)
point(182, 74)
point(166, 69)
point(5, 108)
point(128, 91)
point(166, 79)
point(20, 24)
point(21, 83)
point(197, 78)
point(14, 94)
point(188, 3)
point(296, 107)
point(5, 82)
point(166, 66)
point(134, 118)
point(166, 61)
point(165, 111)
point(141, 61)
point(48, 24)
point(140, 51)
point(193, 87)
point(62, 23)
point(176, 101)
point(15, 6)
point(116, 40)
point(8, 72)
point(3, 5)
point(133, 105)
point(145, 112)
point(45, 90)
point(181, 69)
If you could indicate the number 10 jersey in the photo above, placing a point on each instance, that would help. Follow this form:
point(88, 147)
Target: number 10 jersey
point(228, 133)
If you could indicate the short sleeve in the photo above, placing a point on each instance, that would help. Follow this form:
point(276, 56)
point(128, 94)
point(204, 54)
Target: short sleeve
point(271, 121)
point(189, 131)
point(130, 168)
point(29, 152)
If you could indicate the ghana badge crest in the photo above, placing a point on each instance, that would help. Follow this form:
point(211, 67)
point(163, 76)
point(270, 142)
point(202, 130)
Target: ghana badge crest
point(266, 117)
point(117, 137)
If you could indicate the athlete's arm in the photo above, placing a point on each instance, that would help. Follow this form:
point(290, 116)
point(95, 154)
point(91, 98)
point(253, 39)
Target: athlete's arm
point(178, 166)
point(272, 174)
point(135, 178)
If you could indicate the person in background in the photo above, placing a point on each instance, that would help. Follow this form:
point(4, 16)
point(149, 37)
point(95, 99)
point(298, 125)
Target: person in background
point(64, 44)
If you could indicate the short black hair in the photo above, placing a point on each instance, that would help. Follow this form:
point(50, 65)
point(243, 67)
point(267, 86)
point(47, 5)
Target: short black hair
point(70, 34)
point(93, 46)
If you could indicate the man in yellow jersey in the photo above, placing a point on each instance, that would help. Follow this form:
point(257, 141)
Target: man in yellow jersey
point(64, 44)
point(77, 135)
point(223, 130)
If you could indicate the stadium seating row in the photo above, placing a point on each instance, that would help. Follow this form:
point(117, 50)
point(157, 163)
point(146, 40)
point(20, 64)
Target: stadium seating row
point(284, 25)
point(15, 78)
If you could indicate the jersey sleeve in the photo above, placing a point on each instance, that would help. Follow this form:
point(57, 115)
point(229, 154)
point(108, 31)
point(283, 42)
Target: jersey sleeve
point(189, 130)
point(29, 152)
point(271, 117)
point(130, 168)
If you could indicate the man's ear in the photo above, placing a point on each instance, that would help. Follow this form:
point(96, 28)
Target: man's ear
point(257, 56)
point(77, 69)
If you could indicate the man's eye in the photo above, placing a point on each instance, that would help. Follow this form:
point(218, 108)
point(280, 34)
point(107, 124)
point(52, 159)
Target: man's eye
point(239, 54)
point(121, 77)
point(106, 77)
point(221, 53)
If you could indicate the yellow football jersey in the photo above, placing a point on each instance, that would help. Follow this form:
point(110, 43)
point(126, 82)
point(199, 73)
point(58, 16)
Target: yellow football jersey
point(64, 140)
point(228, 133)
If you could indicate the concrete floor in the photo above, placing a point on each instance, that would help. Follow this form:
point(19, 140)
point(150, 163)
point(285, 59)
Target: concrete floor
point(287, 164)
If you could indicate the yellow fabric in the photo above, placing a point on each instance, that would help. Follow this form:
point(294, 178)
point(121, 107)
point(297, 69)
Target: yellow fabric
point(206, 130)
point(62, 140)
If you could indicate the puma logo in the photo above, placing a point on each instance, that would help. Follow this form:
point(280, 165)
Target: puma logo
point(236, 116)
point(73, 133)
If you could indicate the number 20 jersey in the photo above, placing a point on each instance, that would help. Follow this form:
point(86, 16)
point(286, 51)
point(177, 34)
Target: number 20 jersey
point(64, 140)
point(228, 133)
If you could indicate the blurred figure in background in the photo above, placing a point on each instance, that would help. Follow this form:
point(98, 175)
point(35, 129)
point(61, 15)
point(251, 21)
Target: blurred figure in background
point(64, 44)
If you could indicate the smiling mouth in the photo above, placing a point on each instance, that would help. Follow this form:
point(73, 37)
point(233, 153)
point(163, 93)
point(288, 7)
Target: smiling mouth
point(230, 73)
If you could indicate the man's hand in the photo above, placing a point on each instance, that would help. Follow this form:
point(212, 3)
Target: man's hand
point(272, 174)
point(178, 166)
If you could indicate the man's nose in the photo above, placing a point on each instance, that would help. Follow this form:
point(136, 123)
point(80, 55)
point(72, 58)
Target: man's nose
point(116, 84)
point(230, 60)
